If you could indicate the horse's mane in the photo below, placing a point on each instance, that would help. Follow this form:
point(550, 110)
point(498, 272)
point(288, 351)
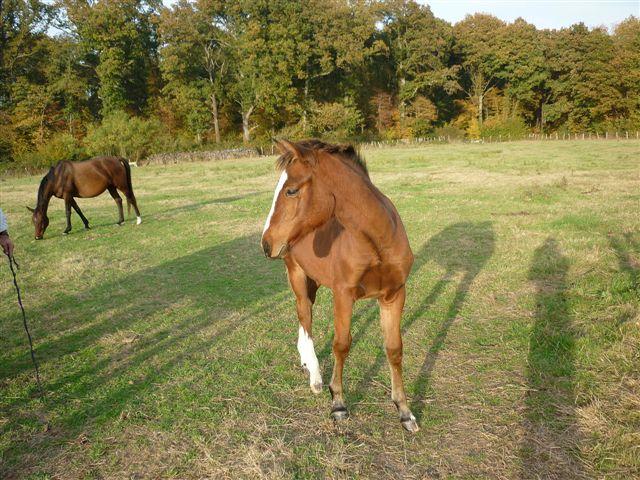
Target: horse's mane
point(43, 184)
point(344, 152)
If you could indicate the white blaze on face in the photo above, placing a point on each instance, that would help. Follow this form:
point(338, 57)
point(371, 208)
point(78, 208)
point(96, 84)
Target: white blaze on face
point(308, 357)
point(281, 182)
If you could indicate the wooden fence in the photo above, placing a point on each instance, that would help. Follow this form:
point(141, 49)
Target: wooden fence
point(626, 135)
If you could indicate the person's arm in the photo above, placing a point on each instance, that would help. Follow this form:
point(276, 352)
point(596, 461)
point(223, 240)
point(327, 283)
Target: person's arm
point(5, 240)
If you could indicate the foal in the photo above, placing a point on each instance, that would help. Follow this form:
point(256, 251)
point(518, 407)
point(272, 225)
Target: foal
point(68, 180)
point(334, 228)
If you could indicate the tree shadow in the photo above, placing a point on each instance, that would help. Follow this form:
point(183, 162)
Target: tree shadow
point(461, 248)
point(549, 419)
point(160, 213)
point(627, 250)
point(213, 300)
point(191, 207)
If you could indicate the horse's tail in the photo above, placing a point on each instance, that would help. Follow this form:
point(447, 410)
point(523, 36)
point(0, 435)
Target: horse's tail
point(127, 170)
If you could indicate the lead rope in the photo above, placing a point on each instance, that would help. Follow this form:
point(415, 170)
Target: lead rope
point(13, 261)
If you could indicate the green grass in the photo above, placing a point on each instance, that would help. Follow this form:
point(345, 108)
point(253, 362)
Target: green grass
point(168, 350)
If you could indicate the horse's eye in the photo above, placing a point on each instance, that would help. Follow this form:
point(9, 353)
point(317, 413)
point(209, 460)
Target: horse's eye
point(292, 192)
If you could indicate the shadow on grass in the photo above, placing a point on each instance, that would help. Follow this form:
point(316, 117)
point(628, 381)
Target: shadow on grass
point(207, 295)
point(459, 248)
point(549, 420)
point(198, 205)
point(130, 216)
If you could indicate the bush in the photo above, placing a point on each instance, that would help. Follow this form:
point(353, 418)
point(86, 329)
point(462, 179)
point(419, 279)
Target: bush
point(336, 120)
point(61, 146)
point(513, 127)
point(449, 131)
point(130, 137)
point(421, 113)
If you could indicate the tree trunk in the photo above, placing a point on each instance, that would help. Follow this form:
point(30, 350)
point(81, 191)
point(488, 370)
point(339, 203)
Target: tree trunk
point(304, 104)
point(480, 108)
point(214, 112)
point(246, 130)
point(401, 106)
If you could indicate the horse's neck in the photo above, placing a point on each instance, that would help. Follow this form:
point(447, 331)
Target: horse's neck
point(368, 216)
point(44, 196)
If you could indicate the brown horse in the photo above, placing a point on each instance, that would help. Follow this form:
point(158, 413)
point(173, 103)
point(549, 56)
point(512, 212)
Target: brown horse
point(334, 228)
point(68, 180)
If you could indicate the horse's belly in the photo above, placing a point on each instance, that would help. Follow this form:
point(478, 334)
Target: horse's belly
point(89, 190)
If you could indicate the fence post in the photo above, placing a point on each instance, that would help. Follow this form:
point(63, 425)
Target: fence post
point(627, 134)
point(606, 135)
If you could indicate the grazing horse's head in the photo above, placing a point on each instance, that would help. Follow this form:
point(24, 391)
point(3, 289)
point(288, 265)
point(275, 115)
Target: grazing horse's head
point(301, 203)
point(40, 221)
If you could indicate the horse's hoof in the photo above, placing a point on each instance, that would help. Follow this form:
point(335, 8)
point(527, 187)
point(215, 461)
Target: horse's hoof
point(65, 233)
point(316, 387)
point(87, 227)
point(120, 224)
point(138, 220)
point(409, 423)
point(339, 413)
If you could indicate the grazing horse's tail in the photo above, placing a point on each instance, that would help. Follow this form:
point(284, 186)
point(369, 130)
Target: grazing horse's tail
point(127, 169)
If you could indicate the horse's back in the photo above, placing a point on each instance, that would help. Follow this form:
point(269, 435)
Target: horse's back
point(93, 176)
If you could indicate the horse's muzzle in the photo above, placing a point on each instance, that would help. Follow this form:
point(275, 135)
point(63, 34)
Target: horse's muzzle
point(266, 248)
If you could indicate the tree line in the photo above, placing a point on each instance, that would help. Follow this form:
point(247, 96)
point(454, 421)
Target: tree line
point(82, 77)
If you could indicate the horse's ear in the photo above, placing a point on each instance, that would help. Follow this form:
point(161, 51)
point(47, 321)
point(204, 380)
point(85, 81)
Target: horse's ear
point(32, 210)
point(296, 150)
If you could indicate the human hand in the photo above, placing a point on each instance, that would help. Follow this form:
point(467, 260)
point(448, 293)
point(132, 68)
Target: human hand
point(7, 244)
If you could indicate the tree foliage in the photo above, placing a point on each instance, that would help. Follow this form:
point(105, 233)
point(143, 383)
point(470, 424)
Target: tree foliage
point(79, 76)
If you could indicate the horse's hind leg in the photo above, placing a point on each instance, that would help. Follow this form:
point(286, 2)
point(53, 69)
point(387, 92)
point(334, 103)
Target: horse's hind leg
point(342, 310)
point(305, 291)
point(390, 316)
point(131, 200)
point(79, 212)
point(116, 196)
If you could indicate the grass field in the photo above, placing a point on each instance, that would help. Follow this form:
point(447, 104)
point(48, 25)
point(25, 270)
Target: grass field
point(168, 350)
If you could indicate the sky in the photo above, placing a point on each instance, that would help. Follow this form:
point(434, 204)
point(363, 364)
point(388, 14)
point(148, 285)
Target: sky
point(542, 13)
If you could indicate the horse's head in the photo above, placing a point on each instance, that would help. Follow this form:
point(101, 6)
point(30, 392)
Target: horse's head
point(300, 203)
point(40, 221)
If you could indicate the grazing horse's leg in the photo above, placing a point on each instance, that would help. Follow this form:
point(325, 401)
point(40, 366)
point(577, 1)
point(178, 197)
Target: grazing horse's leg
point(131, 200)
point(79, 212)
point(342, 310)
point(116, 196)
point(67, 210)
point(305, 291)
point(390, 317)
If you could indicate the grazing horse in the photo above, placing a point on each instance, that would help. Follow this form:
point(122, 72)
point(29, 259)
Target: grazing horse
point(334, 228)
point(68, 180)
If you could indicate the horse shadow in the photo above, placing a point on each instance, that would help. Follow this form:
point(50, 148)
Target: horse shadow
point(549, 421)
point(461, 248)
point(214, 301)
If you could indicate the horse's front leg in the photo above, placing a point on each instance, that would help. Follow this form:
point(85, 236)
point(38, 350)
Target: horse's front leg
point(67, 211)
point(390, 318)
point(305, 291)
point(80, 214)
point(342, 311)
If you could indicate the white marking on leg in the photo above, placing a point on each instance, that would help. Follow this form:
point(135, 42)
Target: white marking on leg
point(138, 220)
point(308, 358)
point(281, 182)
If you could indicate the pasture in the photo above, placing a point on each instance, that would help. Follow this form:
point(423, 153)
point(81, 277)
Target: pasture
point(168, 350)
